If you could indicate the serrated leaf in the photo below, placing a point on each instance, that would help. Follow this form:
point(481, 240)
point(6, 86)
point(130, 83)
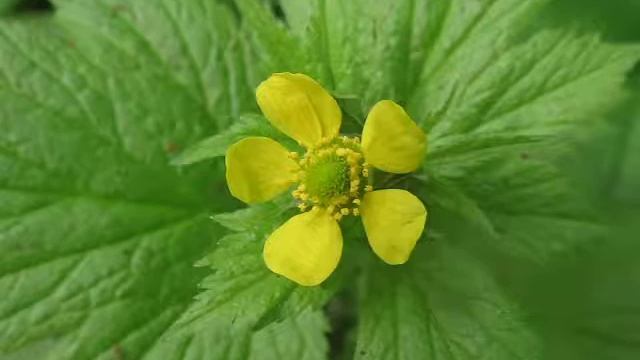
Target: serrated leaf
point(301, 337)
point(242, 296)
point(98, 233)
point(259, 219)
point(278, 48)
point(528, 206)
point(216, 145)
point(243, 291)
point(500, 98)
point(195, 45)
point(441, 305)
point(447, 196)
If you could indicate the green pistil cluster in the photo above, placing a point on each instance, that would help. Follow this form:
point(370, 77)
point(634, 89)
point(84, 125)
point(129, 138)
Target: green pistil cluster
point(327, 178)
point(333, 177)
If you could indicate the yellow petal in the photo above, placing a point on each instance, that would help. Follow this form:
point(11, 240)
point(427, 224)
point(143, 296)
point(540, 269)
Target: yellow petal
point(391, 141)
point(306, 249)
point(299, 107)
point(258, 169)
point(393, 220)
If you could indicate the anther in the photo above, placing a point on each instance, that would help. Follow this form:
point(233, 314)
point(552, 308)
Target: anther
point(344, 211)
point(368, 188)
point(355, 211)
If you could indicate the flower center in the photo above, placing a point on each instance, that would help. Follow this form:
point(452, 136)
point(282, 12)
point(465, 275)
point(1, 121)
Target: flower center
point(328, 177)
point(333, 177)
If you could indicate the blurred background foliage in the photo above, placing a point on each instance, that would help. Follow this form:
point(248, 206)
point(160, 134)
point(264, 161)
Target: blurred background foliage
point(586, 304)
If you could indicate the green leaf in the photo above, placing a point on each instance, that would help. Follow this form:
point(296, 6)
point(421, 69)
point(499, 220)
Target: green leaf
point(500, 99)
point(99, 233)
point(277, 48)
point(628, 178)
point(194, 45)
point(468, 67)
point(216, 145)
point(526, 204)
point(443, 304)
point(260, 219)
point(301, 337)
point(242, 291)
point(241, 298)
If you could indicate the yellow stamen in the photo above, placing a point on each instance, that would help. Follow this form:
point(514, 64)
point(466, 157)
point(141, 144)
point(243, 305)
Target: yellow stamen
point(342, 196)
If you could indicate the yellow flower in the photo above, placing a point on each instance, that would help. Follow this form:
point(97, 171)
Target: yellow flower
point(333, 178)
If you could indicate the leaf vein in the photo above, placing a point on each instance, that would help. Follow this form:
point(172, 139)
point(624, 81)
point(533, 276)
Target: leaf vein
point(110, 243)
